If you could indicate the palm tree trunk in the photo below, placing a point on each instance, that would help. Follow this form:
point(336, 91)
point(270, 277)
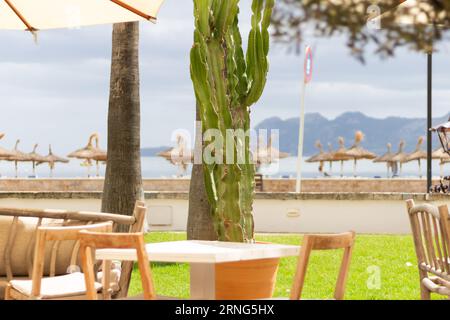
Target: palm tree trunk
point(123, 180)
point(200, 224)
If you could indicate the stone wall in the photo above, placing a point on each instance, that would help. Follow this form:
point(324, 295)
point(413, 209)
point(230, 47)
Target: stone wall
point(182, 185)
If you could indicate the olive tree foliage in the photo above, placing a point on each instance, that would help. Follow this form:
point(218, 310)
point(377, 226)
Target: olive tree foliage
point(417, 25)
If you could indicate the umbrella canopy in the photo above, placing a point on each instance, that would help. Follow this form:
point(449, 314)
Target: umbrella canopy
point(19, 156)
point(400, 156)
point(385, 157)
point(277, 154)
point(4, 154)
point(440, 154)
point(317, 157)
point(178, 154)
point(34, 156)
point(340, 153)
point(86, 153)
point(51, 14)
point(90, 152)
point(51, 158)
point(417, 154)
point(357, 152)
point(100, 154)
point(269, 154)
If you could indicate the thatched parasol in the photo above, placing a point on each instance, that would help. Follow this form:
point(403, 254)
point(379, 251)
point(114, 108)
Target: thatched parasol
point(356, 152)
point(51, 159)
point(34, 157)
point(269, 154)
point(340, 154)
point(4, 154)
point(418, 154)
point(100, 154)
point(88, 153)
point(18, 156)
point(443, 157)
point(400, 156)
point(328, 156)
point(180, 155)
point(386, 158)
point(317, 157)
point(276, 154)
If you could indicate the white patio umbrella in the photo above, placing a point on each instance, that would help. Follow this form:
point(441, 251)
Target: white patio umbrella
point(34, 15)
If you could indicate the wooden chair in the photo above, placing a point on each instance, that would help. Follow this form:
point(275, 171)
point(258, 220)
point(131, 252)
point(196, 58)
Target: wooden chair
point(430, 228)
point(324, 242)
point(90, 241)
point(70, 286)
point(20, 239)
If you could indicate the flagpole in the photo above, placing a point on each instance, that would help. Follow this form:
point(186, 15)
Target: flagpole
point(307, 75)
point(301, 138)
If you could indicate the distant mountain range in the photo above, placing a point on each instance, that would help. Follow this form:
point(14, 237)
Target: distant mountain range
point(152, 151)
point(378, 132)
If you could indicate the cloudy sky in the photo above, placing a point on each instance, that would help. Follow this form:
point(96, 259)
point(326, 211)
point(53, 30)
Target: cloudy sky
point(56, 91)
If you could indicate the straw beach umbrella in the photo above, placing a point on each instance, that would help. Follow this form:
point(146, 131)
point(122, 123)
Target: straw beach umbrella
point(100, 155)
point(329, 156)
point(51, 159)
point(418, 154)
point(356, 152)
point(317, 157)
point(180, 155)
point(34, 157)
point(269, 154)
point(275, 153)
point(400, 156)
point(386, 158)
point(340, 154)
point(88, 153)
point(322, 156)
point(4, 154)
point(443, 157)
point(17, 157)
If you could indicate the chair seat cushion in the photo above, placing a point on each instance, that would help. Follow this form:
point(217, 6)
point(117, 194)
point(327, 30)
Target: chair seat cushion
point(56, 287)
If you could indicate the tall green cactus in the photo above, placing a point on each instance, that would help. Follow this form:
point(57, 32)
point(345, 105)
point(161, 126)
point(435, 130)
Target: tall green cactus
point(226, 84)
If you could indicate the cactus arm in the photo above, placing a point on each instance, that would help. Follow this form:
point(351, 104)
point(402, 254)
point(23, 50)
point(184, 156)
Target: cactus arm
point(258, 48)
point(226, 83)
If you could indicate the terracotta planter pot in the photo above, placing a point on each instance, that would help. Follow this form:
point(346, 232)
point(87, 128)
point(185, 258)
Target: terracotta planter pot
point(246, 280)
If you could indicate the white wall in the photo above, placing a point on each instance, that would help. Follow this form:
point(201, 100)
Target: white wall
point(291, 216)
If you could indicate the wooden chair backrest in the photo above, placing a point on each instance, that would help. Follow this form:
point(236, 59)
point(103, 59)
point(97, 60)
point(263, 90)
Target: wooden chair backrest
point(90, 241)
point(430, 228)
point(324, 242)
point(67, 217)
point(135, 223)
point(45, 234)
point(140, 210)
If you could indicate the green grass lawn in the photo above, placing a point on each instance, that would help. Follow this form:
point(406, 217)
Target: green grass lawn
point(383, 267)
